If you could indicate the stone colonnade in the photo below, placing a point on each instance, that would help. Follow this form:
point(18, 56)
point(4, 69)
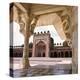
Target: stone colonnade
point(61, 53)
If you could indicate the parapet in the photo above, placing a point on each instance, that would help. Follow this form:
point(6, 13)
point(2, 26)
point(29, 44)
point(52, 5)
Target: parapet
point(40, 33)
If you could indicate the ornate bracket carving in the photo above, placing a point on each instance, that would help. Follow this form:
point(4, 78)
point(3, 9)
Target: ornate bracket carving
point(33, 23)
point(66, 21)
point(22, 22)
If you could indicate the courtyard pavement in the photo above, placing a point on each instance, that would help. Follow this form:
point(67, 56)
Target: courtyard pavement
point(17, 62)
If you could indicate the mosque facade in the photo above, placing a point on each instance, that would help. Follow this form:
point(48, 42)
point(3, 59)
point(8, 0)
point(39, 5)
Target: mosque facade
point(43, 46)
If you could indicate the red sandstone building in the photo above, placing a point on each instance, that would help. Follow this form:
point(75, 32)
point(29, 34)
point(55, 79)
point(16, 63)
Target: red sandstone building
point(43, 46)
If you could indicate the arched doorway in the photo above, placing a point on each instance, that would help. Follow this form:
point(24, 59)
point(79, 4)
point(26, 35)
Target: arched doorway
point(66, 54)
point(40, 49)
point(62, 54)
point(51, 54)
point(55, 54)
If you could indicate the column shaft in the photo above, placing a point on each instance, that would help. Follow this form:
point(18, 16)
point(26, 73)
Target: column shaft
point(26, 45)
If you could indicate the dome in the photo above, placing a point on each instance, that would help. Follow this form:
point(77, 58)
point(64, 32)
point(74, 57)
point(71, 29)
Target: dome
point(65, 43)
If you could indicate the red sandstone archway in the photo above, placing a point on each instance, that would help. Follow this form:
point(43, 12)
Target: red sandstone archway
point(40, 49)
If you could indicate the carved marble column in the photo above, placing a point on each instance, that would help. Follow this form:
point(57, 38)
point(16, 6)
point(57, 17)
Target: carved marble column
point(30, 24)
point(24, 21)
point(69, 21)
point(75, 40)
point(26, 41)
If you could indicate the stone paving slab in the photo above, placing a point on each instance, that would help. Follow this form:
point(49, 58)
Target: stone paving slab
point(42, 70)
point(16, 63)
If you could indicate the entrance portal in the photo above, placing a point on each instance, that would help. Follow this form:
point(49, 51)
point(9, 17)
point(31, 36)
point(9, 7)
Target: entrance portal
point(40, 49)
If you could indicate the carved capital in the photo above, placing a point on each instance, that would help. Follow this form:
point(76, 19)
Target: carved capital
point(33, 23)
point(23, 17)
point(65, 16)
point(66, 21)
